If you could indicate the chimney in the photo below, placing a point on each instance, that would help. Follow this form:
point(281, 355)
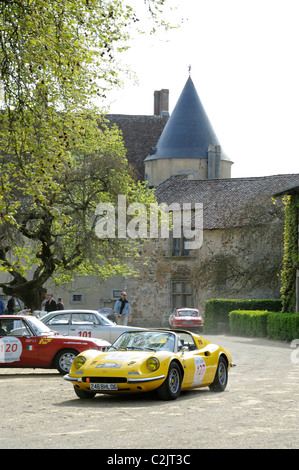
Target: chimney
point(161, 103)
point(214, 161)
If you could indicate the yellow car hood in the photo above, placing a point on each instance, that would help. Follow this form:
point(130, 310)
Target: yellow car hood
point(120, 362)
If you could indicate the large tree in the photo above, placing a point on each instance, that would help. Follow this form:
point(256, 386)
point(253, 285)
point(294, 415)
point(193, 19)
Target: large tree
point(58, 158)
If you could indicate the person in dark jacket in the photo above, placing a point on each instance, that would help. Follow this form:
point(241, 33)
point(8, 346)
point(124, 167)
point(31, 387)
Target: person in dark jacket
point(11, 305)
point(50, 305)
point(59, 304)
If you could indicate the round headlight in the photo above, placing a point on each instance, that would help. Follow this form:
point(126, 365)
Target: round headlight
point(79, 361)
point(152, 364)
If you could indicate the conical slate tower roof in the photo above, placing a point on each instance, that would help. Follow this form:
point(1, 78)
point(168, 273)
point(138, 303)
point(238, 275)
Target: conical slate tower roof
point(188, 132)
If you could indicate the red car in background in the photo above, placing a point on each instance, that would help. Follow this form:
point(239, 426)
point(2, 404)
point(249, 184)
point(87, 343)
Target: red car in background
point(27, 342)
point(186, 317)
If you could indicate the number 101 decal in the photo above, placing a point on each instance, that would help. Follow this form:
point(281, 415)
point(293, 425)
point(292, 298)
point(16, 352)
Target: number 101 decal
point(84, 334)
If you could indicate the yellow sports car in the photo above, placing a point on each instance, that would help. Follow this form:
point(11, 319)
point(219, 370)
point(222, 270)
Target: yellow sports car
point(155, 359)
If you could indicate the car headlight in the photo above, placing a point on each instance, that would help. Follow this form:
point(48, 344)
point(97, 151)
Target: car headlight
point(79, 361)
point(153, 364)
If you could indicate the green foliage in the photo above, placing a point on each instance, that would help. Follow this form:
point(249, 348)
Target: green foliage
point(291, 257)
point(248, 323)
point(217, 310)
point(283, 326)
point(58, 159)
point(275, 325)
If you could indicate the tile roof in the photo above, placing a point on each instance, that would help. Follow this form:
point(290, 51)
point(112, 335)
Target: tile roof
point(228, 202)
point(140, 133)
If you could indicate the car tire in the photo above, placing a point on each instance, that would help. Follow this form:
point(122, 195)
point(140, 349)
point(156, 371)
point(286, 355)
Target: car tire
point(221, 377)
point(171, 387)
point(83, 394)
point(64, 360)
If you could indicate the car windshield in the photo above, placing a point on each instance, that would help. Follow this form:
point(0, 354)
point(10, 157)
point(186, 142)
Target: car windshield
point(187, 313)
point(146, 341)
point(104, 320)
point(38, 326)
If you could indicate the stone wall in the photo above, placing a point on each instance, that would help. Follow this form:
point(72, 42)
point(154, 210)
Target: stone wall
point(239, 262)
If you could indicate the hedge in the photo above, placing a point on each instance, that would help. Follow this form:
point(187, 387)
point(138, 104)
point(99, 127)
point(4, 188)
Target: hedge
point(282, 326)
point(249, 322)
point(217, 310)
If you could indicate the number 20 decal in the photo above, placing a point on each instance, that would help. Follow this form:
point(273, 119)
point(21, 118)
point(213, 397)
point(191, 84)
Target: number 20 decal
point(10, 349)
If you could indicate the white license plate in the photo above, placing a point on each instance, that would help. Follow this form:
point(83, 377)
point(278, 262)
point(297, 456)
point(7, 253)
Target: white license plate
point(103, 387)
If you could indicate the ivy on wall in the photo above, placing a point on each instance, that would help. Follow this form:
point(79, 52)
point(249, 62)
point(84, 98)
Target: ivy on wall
point(291, 256)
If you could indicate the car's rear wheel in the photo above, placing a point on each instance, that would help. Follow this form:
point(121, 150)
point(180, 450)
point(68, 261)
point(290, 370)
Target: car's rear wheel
point(221, 377)
point(64, 360)
point(171, 387)
point(83, 394)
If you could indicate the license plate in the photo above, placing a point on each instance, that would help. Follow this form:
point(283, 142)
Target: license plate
point(103, 387)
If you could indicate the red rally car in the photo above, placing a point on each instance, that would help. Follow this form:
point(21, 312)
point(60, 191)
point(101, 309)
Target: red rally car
point(27, 342)
point(190, 317)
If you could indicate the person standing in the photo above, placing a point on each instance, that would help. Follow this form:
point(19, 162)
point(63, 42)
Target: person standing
point(59, 304)
point(11, 305)
point(50, 305)
point(2, 307)
point(123, 310)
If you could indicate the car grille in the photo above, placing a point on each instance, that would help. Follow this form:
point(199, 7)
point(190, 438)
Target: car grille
point(105, 380)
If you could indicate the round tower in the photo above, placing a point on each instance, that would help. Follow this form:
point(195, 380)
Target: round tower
point(188, 144)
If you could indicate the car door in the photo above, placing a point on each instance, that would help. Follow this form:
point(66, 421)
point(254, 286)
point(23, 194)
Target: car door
point(88, 325)
point(18, 344)
point(199, 364)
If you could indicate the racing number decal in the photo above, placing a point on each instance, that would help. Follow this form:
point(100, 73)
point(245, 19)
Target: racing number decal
point(10, 349)
point(200, 368)
point(84, 334)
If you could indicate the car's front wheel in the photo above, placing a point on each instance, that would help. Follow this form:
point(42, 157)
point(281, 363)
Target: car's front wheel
point(221, 377)
point(171, 387)
point(64, 360)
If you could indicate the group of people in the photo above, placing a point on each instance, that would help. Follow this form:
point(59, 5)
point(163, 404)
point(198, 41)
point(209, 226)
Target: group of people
point(51, 305)
point(11, 306)
point(122, 307)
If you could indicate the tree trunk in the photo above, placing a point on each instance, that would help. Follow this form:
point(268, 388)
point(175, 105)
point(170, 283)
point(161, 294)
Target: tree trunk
point(29, 292)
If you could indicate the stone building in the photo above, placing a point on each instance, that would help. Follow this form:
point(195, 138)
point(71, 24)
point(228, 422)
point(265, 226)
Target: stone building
point(242, 244)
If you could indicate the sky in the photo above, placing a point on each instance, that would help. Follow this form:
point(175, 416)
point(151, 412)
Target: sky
point(244, 65)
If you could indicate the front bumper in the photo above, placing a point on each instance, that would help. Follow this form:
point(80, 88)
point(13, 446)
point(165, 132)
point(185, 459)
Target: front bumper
point(129, 381)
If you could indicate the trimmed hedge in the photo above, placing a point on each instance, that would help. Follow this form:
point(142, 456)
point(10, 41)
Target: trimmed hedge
point(249, 322)
point(282, 326)
point(217, 310)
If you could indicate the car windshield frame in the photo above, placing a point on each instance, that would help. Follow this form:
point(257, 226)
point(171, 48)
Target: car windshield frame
point(37, 326)
point(145, 341)
point(105, 321)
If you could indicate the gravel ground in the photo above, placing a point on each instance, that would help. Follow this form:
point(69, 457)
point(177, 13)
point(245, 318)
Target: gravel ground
point(259, 408)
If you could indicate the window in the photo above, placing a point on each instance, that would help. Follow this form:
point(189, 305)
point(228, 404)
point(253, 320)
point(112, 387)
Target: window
point(10, 327)
point(62, 319)
point(181, 294)
point(84, 319)
point(178, 247)
point(77, 298)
